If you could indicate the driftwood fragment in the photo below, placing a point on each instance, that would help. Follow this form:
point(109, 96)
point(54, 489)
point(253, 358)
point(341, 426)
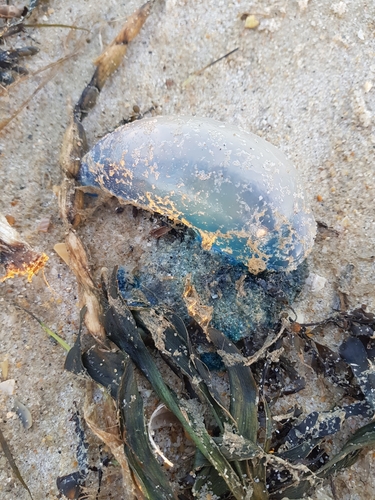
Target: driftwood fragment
point(17, 256)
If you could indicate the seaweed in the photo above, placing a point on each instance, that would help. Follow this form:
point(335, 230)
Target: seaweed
point(12, 462)
point(71, 485)
point(241, 451)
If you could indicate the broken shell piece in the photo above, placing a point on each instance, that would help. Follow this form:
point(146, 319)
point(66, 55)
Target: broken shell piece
point(4, 365)
point(239, 193)
point(161, 417)
point(44, 225)
point(23, 413)
point(62, 252)
point(316, 282)
point(7, 387)
point(16, 255)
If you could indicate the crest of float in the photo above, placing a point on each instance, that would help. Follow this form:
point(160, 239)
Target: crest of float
point(239, 193)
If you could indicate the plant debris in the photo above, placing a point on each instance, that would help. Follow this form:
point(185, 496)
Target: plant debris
point(18, 258)
point(49, 332)
point(71, 485)
point(12, 463)
point(9, 63)
point(262, 456)
point(7, 387)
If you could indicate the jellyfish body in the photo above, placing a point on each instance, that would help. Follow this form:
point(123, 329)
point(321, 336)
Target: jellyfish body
point(238, 192)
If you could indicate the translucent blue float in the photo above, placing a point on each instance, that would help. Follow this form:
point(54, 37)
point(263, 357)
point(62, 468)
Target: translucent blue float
point(238, 192)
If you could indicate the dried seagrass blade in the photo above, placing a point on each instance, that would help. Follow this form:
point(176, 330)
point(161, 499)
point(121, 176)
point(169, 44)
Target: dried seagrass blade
point(73, 361)
point(300, 451)
point(12, 463)
point(320, 424)
point(122, 330)
point(171, 339)
point(268, 425)
point(233, 447)
point(258, 472)
point(243, 406)
point(362, 438)
point(296, 492)
point(49, 332)
point(214, 399)
point(211, 394)
point(111, 58)
point(151, 478)
point(329, 364)
point(102, 417)
point(168, 339)
point(74, 147)
point(243, 389)
point(354, 353)
point(71, 485)
point(74, 142)
point(105, 367)
point(88, 293)
point(208, 482)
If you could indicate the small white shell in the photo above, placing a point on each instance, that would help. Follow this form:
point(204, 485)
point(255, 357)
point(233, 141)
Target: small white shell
point(161, 417)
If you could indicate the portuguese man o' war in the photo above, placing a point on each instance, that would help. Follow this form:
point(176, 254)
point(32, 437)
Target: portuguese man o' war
point(238, 192)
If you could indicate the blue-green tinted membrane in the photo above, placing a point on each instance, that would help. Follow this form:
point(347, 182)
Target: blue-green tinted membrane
point(238, 311)
point(213, 361)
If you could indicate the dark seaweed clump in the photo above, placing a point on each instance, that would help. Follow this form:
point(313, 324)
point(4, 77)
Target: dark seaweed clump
point(242, 445)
